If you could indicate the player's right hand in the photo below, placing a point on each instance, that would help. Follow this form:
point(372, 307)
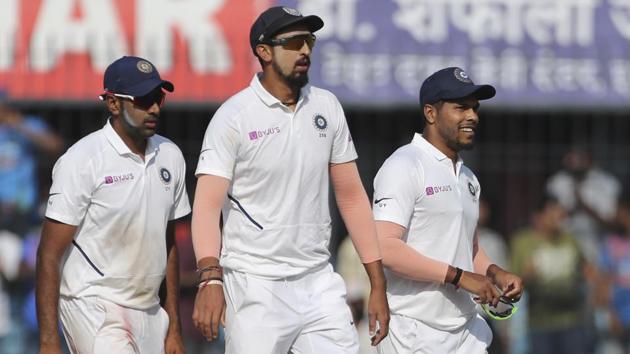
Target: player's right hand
point(485, 292)
point(209, 310)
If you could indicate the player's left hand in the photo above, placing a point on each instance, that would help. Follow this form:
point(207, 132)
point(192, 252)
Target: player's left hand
point(511, 285)
point(378, 311)
point(173, 344)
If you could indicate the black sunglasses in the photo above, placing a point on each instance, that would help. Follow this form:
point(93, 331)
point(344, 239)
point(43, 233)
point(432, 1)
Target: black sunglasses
point(144, 102)
point(294, 42)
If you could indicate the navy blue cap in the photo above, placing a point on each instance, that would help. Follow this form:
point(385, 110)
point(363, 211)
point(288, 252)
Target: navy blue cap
point(451, 84)
point(277, 18)
point(133, 76)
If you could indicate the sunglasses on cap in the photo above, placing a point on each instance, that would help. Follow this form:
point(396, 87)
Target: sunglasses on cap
point(504, 309)
point(294, 42)
point(144, 102)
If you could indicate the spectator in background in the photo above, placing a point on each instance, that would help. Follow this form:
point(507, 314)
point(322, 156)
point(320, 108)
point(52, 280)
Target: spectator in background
point(490, 240)
point(553, 268)
point(22, 139)
point(615, 267)
point(10, 251)
point(589, 194)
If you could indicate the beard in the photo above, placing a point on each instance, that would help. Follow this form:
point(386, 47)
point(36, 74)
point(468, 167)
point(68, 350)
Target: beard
point(453, 142)
point(293, 79)
point(459, 146)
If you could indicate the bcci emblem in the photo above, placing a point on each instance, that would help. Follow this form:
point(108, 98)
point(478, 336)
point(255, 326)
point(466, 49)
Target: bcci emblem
point(320, 122)
point(472, 189)
point(165, 175)
point(462, 76)
point(144, 66)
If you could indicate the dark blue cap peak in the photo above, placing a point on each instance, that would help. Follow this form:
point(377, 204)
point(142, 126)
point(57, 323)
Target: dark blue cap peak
point(133, 76)
point(451, 84)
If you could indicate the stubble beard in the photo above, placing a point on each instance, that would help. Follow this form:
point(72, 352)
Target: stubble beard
point(294, 80)
point(454, 143)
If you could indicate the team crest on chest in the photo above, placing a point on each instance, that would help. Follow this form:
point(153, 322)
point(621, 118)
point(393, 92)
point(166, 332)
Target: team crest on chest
point(165, 175)
point(320, 122)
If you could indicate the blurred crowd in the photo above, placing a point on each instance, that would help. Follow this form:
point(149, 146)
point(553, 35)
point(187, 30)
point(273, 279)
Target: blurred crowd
point(574, 255)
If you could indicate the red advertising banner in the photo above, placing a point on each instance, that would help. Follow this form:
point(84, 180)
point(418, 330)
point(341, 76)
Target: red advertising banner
point(58, 49)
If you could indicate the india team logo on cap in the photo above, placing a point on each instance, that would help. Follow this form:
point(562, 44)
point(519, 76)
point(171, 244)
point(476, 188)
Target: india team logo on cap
point(320, 122)
point(165, 175)
point(144, 66)
point(461, 75)
point(291, 11)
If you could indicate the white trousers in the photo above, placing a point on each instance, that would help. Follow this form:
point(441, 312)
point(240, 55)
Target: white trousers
point(96, 326)
point(307, 314)
point(410, 336)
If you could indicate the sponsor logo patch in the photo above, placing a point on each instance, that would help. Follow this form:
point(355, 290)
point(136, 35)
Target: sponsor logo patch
point(438, 189)
point(118, 178)
point(258, 134)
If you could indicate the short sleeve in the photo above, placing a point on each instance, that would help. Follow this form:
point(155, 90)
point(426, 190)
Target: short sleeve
point(181, 207)
point(220, 146)
point(71, 190)
point(343, 148)
point(397, 187)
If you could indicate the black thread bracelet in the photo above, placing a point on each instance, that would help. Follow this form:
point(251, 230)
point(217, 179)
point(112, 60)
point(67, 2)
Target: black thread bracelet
point(209, 269)
point(458, 275)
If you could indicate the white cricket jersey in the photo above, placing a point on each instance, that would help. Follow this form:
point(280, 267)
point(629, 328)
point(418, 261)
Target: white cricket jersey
point(121, 205)
point(418, 188)
point(276, 220)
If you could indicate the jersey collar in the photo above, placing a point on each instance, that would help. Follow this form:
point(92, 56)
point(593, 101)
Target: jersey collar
point(122, 148)
point(421, 142)
point(269, 99)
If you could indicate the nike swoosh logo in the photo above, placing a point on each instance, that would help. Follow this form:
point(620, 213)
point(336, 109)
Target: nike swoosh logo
point(52, 194)
point(380, 200)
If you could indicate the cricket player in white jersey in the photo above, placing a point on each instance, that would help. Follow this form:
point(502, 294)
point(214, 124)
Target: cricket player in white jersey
point(105, 249)
point(266, 160)
point(426, 206)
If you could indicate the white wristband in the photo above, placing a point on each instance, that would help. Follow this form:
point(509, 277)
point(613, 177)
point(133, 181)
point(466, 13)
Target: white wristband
point(210, 282)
